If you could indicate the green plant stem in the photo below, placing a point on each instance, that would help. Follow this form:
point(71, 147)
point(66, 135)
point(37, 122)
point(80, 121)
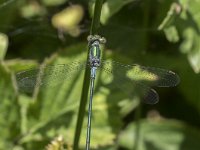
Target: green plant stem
point(96, 18)
point(85, 89)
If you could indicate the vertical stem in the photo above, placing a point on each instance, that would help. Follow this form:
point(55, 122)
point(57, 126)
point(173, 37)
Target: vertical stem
point(85, 89)
point(96, 17)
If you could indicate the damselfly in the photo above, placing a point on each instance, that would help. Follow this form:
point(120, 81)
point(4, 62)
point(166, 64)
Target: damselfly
point(135, 77)
point(126, 76)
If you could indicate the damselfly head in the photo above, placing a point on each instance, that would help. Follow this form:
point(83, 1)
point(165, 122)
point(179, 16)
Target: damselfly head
point(93, 38)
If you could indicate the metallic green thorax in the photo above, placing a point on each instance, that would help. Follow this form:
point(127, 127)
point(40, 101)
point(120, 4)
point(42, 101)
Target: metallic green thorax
point(95, 52)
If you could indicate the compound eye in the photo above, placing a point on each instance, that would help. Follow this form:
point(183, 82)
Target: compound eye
point(102, 40)
point(89, 38)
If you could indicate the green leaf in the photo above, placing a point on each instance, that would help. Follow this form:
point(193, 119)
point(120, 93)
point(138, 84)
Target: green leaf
point(3, 45)
point(160, 134)
point(9, 110)
point(172, 34)
point(191, 47)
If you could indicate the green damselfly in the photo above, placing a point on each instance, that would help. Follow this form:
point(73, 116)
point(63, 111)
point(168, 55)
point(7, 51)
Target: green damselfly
point(139, 78)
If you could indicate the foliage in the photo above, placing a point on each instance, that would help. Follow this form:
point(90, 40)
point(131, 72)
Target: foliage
point(155, 33)
point(175, 135)
point(182, 23)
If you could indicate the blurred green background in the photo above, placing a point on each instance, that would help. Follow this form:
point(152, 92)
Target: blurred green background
point(157, 33)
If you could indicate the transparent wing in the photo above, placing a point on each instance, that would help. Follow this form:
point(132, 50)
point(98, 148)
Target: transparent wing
point(130, 88)
point(136, 79)
point(44, 76)
point(145, 75)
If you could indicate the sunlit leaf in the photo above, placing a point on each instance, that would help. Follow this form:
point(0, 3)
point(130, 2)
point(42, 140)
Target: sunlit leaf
point(68, 19)
point(3, 45)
